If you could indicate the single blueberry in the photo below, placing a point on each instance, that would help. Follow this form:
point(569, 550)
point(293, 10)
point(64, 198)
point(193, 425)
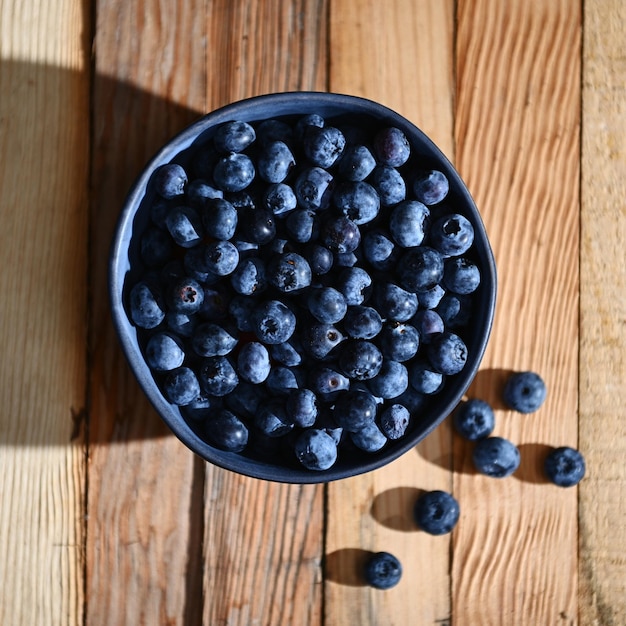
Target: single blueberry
point(245, 399)
point(233, 172)
point(356, 163)
point(181, 324)
point(413, 400)
point(461, 276)
point(369, 438)
point(274, 322)
point(360, 359)
point(496, 457)
point(164, 352)
point(565, 466)
point(424, 378)
point(219, 218)
point(340, 234)
point(285, 354)
point(358, 201)
point(326, 380)
point(395, 303)
point(257, 225)
point(524, 392)
point(170, 180)
point(392, 147)
point(354, 409)
point(394, 421)
point(215, 304)
point(280, 199)
point(474, 419)
point(313, 188)
point(315, 449)
point(379, 249)
point(452, 235)
point(431, 187)
point(146, 307)
point(430, 298)
point(185, 226)
point(455, 310)
point(399, 341)
point(362, 322)
point(389, 184)
point(319, 258)
point(408, 223)
point(289, 272)
point(391, 381)
point(282, 380)
point(210, 339)
point(181, 386)
point(447, 353)
point(226, 431)
point(302, 124)
point(383, 571)
point(186, 295)
point(301, 407)
point(326, 304)
point(355, 284)
point(319, 340)
point(428, 324)
point(420, 269)
point(302, 225)
point(323, 146)
point(200, 193)
point(248, 278)
point(220, 257)
point(275, 161)
point(272, 420)
point(274, 130)
point(217, 376)
point(233, 136)
point(436, 512)
point(241, 309)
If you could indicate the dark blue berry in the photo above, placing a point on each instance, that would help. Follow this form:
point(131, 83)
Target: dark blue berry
point(355, 284)
point(461, 276)
point(326, 304)
point(431, 187)
point(358, 201)
point(392, 147)
point(360, 360)
point(164, 352)
point(313, 188)
point(447, 353)
point(408, 223)
point(186, 295)
point(253, 362)
point(249, 278)
point(226, 431)
point(181, 324)
point(454, 309)
point(383, 571)
point(302, 225)
point(234, 136)
point(303, 123)
point(340, 234)
point(219, 218)
point(257, 225)
point(496, 457)
point(181, 386)
point(274, 130)
point(282, 380)
point(399, 341)
point(354, 409)
point(430, 298)
point(275, 161)
point(301, 407)
point(362, 322)
point(246, 399)
point(436, 512)
point(217, 376)
point(233, 172)
point(285, 354)
point(420, 269)
point(323, 146)
point(241, 309)
point(394, 421)
point(280, 198)
point(452, 235)
point(319, 258)
point(274, 322)
point(185, 226)
point(474, 419)
point(210, 339)
point(395, 303)
point(220, 257)
point(289, 272)
point(170, 180)
point(200, 193)
point(369, 438)
point(146, 307)
point(316, 449)
point(524, 392)
point(320, 339)
point(565, 466)
point(391, 381)
point(424, 378)
point(389, 185)
point(271, 419)
point(428, 324)
point(325, 380)
point(356, 163)
point(379, 250)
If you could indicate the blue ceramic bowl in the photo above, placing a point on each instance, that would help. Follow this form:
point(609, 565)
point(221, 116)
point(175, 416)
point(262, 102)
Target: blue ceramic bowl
point(125, 267)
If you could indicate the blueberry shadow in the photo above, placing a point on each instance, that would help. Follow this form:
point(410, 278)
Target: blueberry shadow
point(532, 458)
point(393, 508)
point(346, 566)
point(488, 385)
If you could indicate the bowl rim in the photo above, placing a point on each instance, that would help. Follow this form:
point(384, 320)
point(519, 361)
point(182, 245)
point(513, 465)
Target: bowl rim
point(297, 102)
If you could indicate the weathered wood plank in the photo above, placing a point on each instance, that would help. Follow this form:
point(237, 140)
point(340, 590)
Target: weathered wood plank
point(399, 53)
point(263, 541)
point(517, 146)
point(44, 80)
point(145, 487)
point(603, 316)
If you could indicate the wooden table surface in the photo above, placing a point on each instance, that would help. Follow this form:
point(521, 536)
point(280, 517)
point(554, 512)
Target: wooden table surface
point(106, 518)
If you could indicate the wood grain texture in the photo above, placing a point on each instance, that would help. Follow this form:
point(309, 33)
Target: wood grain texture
point(145, 487)
point(263, 541)
point(603, 317)
point(389, 52)
point(43, 194)
point(517, 147)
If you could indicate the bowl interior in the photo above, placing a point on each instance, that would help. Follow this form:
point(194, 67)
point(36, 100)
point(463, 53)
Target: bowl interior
point(124, 264)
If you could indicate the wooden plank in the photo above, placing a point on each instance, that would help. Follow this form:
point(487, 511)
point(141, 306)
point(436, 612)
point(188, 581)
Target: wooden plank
point(399, 53)
point(44, 80)
point(263, 541)
point(603, 313)
point(517, 146)
point(145, 487)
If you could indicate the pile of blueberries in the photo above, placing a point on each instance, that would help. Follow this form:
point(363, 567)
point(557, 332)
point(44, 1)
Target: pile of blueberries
point(437, 512)
point(306, 281)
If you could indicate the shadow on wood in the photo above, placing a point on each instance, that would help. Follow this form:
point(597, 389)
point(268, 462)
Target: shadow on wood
point(393, 508)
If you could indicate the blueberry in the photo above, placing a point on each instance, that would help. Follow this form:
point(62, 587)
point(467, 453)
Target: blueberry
point(392, 147)
point(362, 322)
point(220, 257)
point(325, 380)
point(524, 392)
point(271, 419)
point(447, 353)
point(391, 381)
point(215, 304)
point(354, 409)
point(394, 421)
point(274, 130)
point(320, 339)
point(474, 419)
point(395, 303)
point(356, 163)
point(226, 431)
point(185, 226)
point(565, 466)
point(219, 218)
point(452, 235)
point(420, 268)
point(285, 354)
point(360, 360)
point(319, 258)
point(428, 324)
point(369, 438)
point(233, 136)
point(186, 295)
point(340, 234)
point(280, 199)
point(316, 449)
point(454, 309)
point(274, 322)
point(146, 307)
point(383, 571)
point(313, 188)
point(301, 407)
point(200, 408)
point(408, 223)
point(436, 512)
point(282, 380)
point(248, 278)
point(156, 247)
point(217, 376)
point(323, 146)
point(379, 250)
point(413, 400)
point(181, 386)
point(289, 272)
point(389, 184)
point(233, 172)
point(326, 304)
point(302, 225)
point(181, 324)
point(200, 193)
point(355, 284)
point(431, 187)
point(210, 339)
point(399, 341)
point(358, 201)
point(461, 276)
point(246, 399)
point(275, 162)
point(241, 309)
point(170, 180)
point(424, 378)
point(164, 352)
point(303, 123)
point(257, 225)
point(430, 298)
point(496, 457)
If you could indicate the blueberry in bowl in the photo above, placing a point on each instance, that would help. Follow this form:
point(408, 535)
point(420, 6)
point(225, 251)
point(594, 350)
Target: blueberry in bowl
point(302, 285)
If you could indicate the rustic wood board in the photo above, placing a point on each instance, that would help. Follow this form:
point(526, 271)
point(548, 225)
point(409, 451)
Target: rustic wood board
point(387, 52)
point(44, 150)
point(517, 146)
point(603, 317)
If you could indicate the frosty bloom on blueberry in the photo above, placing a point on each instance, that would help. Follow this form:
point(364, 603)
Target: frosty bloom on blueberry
point(309, 283)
